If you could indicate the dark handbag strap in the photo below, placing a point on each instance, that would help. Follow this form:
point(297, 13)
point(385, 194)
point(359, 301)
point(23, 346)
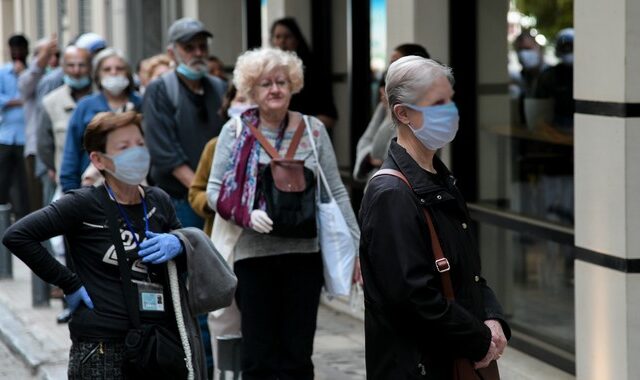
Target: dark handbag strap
point(442, 264)
point(125, 273)
point(271, 151)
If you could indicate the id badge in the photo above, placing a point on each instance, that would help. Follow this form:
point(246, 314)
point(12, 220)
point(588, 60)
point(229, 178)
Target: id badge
point(150, 295)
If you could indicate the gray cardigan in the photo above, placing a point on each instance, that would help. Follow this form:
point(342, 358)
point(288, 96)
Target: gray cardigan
point(209, 281)
point(253, 244)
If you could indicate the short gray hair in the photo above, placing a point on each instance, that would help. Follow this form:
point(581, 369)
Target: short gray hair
point(409, 77)
point(252, 64)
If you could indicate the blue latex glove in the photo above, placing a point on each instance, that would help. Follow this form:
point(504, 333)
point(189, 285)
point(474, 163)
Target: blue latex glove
point(74, 299)
point(159, 248)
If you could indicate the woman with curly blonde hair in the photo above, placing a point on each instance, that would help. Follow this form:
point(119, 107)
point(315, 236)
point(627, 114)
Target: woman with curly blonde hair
point(279, 277)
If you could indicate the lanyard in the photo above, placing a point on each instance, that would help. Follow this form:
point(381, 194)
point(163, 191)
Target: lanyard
point(126, 218)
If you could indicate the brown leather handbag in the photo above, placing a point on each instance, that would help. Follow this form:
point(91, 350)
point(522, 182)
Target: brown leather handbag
point(462, 367)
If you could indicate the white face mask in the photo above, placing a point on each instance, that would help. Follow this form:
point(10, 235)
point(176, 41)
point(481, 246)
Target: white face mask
point(238, 109)
point(114, 84)
point(529, 58)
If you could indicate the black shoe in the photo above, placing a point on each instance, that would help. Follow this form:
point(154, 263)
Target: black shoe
point(64, 317)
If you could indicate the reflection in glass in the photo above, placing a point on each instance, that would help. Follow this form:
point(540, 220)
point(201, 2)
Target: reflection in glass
point(533, 279)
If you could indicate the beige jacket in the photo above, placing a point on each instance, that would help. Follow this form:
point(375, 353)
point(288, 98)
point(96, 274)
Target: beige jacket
point(59, 105)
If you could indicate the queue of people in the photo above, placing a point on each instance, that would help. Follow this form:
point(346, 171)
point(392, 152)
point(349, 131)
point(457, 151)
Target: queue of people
point(170, 170)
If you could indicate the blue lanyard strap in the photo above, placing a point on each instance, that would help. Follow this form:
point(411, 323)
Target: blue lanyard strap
point(126, 218)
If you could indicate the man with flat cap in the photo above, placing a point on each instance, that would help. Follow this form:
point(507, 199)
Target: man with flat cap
point(180, 116)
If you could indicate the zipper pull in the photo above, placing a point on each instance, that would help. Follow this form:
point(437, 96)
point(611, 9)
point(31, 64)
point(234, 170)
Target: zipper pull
point(423, 370)
point(100, 349)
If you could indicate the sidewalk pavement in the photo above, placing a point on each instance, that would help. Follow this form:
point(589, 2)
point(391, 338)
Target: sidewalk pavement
point(43, 345)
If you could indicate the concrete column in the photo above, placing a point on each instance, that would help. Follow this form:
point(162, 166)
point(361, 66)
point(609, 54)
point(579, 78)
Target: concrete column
point(50, 18)
point(190, 8)
point(222, 19)
point(341, 93)
point(422, 22)
point(72, 20)
point(100, 19)
point(117, 31)
point(607, 179)
point(7, 27)
point(298, 9)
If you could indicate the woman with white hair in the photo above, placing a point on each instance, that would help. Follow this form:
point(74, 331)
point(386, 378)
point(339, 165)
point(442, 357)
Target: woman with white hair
point(112, 76)
point(279, 274)
point(418, 249)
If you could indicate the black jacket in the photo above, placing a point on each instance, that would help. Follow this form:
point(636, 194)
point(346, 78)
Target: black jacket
point(412, 331)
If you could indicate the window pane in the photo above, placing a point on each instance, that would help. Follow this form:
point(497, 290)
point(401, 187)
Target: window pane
point(533, 279)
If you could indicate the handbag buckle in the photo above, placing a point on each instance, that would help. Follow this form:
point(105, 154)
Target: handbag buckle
point(442, 265)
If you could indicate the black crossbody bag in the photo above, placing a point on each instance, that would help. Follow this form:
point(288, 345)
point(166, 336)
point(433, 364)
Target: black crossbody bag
point(151, 350)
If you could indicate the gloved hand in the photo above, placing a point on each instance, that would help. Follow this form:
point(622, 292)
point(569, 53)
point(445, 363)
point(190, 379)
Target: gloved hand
point(260, 222)
point(159, 248)
point(74, 299)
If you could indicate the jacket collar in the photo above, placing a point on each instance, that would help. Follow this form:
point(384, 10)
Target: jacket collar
point(423, 183)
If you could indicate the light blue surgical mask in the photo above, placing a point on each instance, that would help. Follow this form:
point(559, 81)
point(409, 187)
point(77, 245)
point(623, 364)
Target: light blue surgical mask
point(567, 59)
point(131, 166)
point(529, 58)
point(189, 72)
point(439, 124)
point(77, 83)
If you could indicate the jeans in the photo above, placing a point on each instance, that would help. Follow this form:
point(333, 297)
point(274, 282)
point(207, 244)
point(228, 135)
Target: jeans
point(185, 214)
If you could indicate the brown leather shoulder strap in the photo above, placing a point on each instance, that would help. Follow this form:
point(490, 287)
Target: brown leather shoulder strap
point(271, 151)
point(442, 264)
point(295, 140)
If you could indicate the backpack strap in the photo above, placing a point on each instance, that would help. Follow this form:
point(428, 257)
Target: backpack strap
point(273, 153)
point(295, 140)
point(170, 80)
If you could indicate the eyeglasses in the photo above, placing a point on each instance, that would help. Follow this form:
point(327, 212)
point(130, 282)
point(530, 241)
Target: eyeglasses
point(279, 83)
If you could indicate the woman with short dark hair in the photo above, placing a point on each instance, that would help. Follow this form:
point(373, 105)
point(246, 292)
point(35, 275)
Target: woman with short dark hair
point(95, 289)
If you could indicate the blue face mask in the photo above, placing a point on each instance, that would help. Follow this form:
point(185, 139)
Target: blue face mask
point(190, 73)
point(131, 165)
point(439, 124)
point(77, 83)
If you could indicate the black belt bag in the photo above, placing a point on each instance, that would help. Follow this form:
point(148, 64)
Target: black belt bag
point(154, 351)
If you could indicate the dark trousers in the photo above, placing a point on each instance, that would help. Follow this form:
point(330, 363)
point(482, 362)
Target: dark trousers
point(34, 183)
point(278, 299)
point(12, 173)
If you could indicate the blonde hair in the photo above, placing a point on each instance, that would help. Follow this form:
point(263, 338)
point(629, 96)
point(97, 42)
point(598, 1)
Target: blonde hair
point(154, 62)
point(251, 65)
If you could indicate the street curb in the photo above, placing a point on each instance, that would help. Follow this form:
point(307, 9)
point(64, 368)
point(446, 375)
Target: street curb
point(20, 341)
